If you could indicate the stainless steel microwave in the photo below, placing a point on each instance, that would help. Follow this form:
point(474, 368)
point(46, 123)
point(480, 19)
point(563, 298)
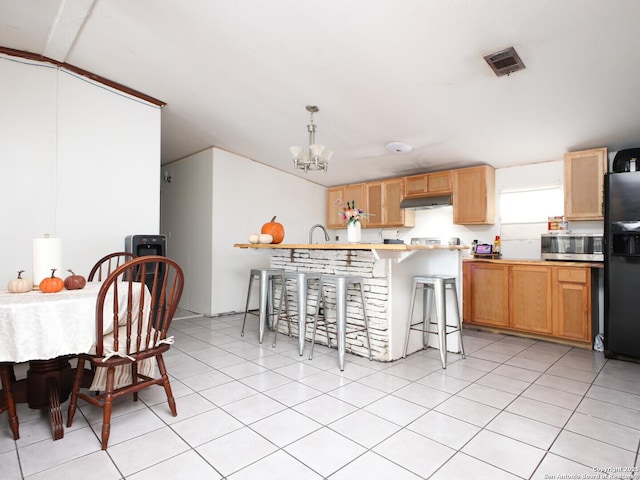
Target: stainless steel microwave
point(582, 247)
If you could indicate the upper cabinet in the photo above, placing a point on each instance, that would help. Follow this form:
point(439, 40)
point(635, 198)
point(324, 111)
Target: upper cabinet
point(474, 195)
point(383, 203)
point(583, 184)
point(380, 199)
point(473, 192)
point(437, 183)
point(343, 194)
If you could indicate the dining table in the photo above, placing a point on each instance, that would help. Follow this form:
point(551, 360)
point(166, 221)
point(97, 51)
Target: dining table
point(47, 330)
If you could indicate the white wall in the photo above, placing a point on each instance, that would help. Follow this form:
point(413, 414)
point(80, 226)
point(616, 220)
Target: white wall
point(80, 162)
point(240, 196)
point(186, 206)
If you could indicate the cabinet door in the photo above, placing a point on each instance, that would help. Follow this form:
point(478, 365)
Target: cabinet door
point(530, 298)
point(583, 184)
point(333, 219)
point(428, 184)
point(415, 186)
point(346, 193)
point(383, 203)
point(488, 296)
point(394, 216)
point(573, 319)
point(375, 205)
point(355, 193)
point(439, 182)
point(466, 292)
point(474, 195)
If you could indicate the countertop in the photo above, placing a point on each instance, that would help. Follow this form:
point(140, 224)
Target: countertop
point(546, 263)
point(399, 247)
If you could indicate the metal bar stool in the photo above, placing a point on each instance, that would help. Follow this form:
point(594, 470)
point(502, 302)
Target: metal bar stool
point(303, 281)
point(341, 283)
point(435, 285)
point(267, 278)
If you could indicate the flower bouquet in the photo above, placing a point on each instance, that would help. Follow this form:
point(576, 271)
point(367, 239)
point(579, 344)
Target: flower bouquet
point(350, 213)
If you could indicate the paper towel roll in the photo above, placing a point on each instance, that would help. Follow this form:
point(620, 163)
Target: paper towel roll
point(47, 254)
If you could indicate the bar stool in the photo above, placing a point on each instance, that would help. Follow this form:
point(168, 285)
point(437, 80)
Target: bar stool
point(435, 285)
point(303, 281)
point(267, 278)
point(341, 283)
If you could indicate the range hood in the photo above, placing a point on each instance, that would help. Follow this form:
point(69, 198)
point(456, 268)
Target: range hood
point(422, 203)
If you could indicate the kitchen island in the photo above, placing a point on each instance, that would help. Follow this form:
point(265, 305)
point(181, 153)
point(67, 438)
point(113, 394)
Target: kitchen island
point(387, 271)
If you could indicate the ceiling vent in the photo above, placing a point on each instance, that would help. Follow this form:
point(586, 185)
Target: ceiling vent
point(504, 62)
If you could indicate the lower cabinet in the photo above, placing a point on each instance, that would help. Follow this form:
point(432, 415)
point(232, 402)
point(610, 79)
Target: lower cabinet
point(530, 298)
point(573, 302)
point(485, 295)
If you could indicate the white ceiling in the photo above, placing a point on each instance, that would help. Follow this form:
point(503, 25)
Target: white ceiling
point(238, 74)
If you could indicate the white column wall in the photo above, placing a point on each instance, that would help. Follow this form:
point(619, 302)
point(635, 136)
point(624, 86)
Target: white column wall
point(186, 219)
point(80, 162)
point(216, 199)
point(246, 195)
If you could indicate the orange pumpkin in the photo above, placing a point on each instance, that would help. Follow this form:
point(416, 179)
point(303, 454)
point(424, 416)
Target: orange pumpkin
point(275, 229)
point(51, 284)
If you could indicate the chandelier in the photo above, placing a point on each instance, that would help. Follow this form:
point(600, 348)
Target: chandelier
point(315, 156)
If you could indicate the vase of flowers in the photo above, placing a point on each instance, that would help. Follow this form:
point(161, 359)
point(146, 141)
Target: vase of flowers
point(353, 216)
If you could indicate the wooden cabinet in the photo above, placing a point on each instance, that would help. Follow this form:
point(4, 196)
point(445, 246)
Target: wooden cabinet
point(530, 298)
point(345, 193)
point(383, 203)
point(547, 300)
point(485, 294)
point(573, 303)
point(474, 195)
point(583, 184)
point(381, 199)
point(437, 183)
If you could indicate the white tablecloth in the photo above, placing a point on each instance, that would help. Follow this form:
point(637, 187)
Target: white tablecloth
point(41, 326)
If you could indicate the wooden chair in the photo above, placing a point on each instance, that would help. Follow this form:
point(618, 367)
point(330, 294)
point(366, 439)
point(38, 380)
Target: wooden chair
point(8, 403)
point(132, 319)
point(108, 264)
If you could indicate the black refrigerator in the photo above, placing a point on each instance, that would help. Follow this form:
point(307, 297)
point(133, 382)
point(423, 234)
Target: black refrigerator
point(622, 265)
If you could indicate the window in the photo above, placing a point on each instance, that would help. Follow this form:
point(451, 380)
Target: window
point(532, 205)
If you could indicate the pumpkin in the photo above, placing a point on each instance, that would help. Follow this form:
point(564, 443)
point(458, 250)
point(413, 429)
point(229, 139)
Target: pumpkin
point(265, 238)
point(74, 282)
point(51, 284)
point(254, 238)
point(20, 285)
point(275, 229)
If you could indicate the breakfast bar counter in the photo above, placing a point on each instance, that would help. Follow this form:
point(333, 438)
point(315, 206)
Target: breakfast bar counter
point(387, 271)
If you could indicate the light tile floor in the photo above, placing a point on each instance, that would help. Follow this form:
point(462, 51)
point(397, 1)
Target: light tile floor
point(514, 408)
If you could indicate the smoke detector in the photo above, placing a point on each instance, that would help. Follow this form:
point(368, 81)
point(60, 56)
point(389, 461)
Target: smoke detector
point(398, 147)
point(505, 62)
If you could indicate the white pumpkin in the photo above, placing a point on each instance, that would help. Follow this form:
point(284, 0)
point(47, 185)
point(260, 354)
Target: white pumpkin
point(266, 238)
point(254, 238)
point(20, 285)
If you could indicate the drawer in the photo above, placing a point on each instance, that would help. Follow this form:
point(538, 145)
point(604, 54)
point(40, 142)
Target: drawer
point(574, 275)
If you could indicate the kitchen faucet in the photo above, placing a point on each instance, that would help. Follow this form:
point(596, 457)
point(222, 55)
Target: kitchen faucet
point(326, 234)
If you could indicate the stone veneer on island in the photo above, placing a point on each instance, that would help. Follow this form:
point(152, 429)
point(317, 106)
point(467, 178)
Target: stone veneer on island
point(387, 272)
